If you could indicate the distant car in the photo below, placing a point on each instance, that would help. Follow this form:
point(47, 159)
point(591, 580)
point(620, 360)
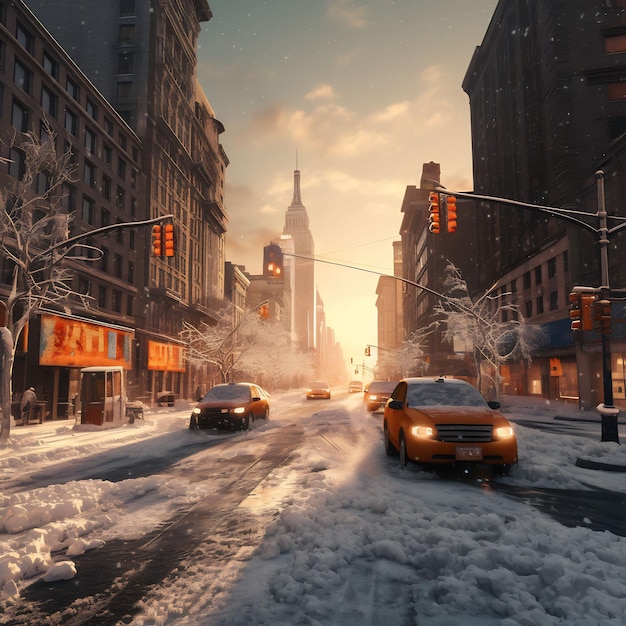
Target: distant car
point(443, 421)
point(377, 393)
point(355, 386)
point(318, 389)
point(231, 406)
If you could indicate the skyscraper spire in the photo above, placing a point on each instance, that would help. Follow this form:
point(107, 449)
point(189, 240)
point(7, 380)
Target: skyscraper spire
point(297, 199)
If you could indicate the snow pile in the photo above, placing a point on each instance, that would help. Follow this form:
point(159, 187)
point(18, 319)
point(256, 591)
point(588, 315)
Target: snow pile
point(346, 536)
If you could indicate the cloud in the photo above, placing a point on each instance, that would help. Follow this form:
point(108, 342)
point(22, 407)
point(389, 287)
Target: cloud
point(321, 91)
point(347, 13)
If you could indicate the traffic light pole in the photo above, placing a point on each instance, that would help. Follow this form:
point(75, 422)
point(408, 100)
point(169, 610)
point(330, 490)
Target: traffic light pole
point(607, 409)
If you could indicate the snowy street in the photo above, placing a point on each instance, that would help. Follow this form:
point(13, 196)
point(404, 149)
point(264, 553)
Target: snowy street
point(305, 520)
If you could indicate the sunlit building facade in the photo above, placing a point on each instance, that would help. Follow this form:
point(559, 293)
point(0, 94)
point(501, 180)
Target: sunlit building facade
point(145, 65)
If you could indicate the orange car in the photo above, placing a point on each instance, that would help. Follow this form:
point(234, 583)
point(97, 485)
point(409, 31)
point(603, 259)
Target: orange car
point(444, 421)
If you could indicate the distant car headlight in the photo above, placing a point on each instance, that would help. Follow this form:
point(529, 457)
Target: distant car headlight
point(422, 431)
point(373, 398)
point(196, 411)
point(503, 432)
point(239, 410)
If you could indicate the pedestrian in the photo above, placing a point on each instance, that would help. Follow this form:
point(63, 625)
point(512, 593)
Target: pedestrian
point(28, 404)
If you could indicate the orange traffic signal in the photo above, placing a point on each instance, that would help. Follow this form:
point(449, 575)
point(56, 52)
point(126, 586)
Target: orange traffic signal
point(602, 316)
point(169, 239)
point(433, 212)
point(157, 240)
point(451, 214)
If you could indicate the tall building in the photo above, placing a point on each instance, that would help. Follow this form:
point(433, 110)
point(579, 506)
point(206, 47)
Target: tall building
point(302, 270)
point(547, 93)
point(145, 65)
point(44, 92)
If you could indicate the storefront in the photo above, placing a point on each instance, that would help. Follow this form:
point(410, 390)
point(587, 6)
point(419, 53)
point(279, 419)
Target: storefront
point(67, 344)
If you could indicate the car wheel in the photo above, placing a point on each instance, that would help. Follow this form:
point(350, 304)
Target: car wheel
point(403, 455)
point(389, 448)
point(266, 415)
point(245, 422)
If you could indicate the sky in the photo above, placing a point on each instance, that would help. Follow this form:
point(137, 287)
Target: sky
point(359, 541)
point(358, 95)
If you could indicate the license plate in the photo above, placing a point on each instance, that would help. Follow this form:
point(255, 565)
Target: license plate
point(469, 453)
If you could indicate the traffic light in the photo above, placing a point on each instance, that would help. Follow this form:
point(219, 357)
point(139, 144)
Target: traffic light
point(157, 240)
point(451, 214)
point(433, 212)
point(586, 310)
point(574, 311)
point(367, 351)
point(264, 311)
point(169, 239)
point(602, 316)
point(272, 261)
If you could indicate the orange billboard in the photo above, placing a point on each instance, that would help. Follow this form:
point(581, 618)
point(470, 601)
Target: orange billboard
point(71, 342)
point(165, 357)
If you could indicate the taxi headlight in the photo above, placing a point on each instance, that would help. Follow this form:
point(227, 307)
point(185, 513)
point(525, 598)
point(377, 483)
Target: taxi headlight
point(503, 432)
point(239, 410)
point(422, 431)
point(196, 411)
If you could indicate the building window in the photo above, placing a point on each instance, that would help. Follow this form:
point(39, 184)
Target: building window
point(125, 63)
point(102, 297)
point(71, 122)
point(529, 308)
point(90, 140)
point(133, 206)
point(104, 260)
point(554, 300)
point(538, 278)
point(539, 305)
point(68, 200)
point(92, 109)
point(90, 174)
point(121, 168)
point(72, 88)
point(566, 261)
point(526, 280)
point(25, 37)
point(127, 7)
point(22, 76)
point(20, 117)
point(48, 102)
point(106, 187)
point(124, 91)
point(108, 154)
point(119, 234)
point(105, 217)
point(50, 65)
point(131, 242)
point(118, 265)
point(84, 286)
point(43, 183)
point(88, 215)
point(127, 33)
point(131, 272)
point(120, 198)
point(17, 163)
point(117, 301)
point(514, 286)
point(129, 305)
point(552, 267)
point(123, 141)
point(108, 126)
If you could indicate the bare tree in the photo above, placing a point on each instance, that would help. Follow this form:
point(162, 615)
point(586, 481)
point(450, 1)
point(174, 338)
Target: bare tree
point(33, 227)
point(409, 359)
point(493, 330)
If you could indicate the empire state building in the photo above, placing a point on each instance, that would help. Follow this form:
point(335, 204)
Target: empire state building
point(302, 270)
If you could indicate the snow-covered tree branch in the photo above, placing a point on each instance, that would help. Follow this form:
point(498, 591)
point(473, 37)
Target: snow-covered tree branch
point(493, 330)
